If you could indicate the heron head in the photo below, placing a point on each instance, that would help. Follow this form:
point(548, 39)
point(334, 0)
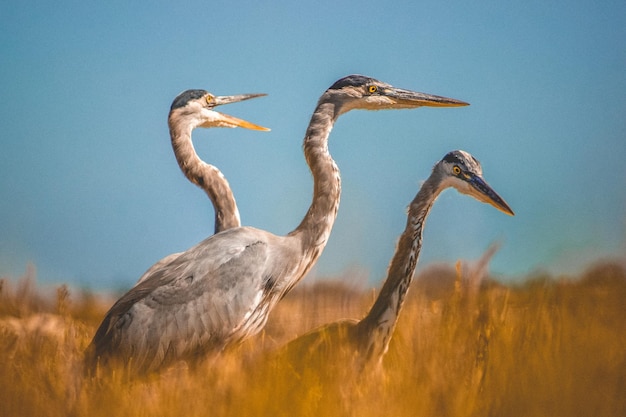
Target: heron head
point(198, 108)
point(462, 171)
point(361, 92)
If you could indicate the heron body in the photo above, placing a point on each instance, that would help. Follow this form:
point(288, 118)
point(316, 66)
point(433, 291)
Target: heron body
point(366, 341)
point(221, 291)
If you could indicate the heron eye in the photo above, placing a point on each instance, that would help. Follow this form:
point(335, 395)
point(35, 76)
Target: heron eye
point(456, 170)
point(372, 89)
point(210, 99)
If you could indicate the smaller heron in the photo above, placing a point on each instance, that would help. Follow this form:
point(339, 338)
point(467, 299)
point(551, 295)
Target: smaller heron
point(367, 340)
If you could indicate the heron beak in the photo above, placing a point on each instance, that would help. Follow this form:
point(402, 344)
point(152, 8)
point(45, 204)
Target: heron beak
point(231, 121)
point(409, 99)
point(221, 100)
point(483, 192)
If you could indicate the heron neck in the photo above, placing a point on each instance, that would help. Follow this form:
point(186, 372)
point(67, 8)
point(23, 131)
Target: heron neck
point(205, 176)
point(377, 327)
point(315, 227)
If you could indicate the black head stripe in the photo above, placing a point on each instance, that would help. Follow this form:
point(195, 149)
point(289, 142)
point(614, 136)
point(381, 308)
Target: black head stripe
point(453, 158)
point(354, 80)
point(183, 98)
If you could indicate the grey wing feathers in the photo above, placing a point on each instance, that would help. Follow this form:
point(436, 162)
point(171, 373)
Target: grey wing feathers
point(186, 306)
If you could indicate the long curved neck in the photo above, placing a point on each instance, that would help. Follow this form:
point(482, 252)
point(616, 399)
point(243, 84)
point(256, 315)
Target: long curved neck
point(315, 227)
point(376, 329)
point(205, 176)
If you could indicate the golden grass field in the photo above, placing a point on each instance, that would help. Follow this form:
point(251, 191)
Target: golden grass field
point(543, 347)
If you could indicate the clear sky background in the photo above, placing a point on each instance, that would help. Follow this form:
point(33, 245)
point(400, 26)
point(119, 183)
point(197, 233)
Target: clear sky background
point(91, 194)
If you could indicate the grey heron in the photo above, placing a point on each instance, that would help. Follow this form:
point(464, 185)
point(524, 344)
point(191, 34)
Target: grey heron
point(366, 341)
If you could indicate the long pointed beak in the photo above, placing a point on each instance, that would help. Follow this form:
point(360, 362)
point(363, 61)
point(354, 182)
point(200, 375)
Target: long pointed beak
point(220, 100)
point(483, 192)
point(232, 121)
point(410, 99)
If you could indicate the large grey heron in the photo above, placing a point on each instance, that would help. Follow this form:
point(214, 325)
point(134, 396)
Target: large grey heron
point(189, 110)
point(221, 291)
point(366, 341)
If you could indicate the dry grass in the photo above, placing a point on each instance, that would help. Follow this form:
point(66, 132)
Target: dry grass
point(542, 348)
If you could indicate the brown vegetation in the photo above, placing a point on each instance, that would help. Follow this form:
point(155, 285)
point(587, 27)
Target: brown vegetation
point(544, 347)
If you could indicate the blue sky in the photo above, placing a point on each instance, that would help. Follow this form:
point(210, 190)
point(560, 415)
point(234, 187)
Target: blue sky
point(91, 194)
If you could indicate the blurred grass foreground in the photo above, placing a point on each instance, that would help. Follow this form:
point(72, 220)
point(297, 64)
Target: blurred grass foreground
point(544, 347)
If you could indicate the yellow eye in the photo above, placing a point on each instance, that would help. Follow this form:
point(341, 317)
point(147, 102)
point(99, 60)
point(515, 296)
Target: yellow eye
point(372, 89)
point(209, 99)
point(456, 170)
